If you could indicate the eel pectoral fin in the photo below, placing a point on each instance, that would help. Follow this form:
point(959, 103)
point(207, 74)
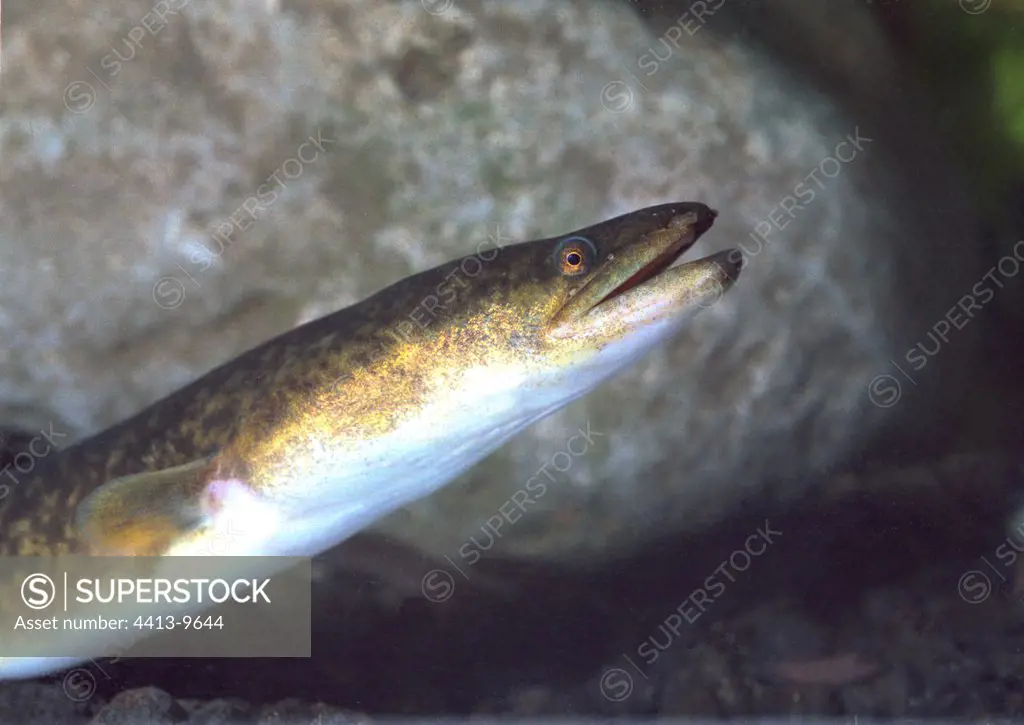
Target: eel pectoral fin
point(146, 513)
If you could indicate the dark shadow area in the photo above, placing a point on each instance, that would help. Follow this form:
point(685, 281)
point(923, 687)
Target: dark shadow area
point(807, 593)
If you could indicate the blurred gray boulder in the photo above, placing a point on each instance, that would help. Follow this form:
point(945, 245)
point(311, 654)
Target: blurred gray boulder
point(379, 139)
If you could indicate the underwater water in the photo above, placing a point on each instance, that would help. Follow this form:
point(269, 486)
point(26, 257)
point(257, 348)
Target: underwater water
point(589, 359)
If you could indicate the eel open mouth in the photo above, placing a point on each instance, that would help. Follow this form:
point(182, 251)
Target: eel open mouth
point(688, 232)
point(641, 279)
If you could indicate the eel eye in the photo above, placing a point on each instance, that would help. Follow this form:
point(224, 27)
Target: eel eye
point(575, 256)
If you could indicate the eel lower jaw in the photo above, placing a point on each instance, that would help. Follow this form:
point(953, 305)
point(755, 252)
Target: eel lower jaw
point(664, 261)
point(668, 293)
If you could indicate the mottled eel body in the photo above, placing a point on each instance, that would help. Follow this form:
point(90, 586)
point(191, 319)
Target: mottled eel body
point(301, 442)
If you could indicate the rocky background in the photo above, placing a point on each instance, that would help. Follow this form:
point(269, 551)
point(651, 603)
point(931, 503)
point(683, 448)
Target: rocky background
point(131, 132)
point(442, 125)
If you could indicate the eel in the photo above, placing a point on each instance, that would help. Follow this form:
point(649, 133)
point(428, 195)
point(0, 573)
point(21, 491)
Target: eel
point(301, 442)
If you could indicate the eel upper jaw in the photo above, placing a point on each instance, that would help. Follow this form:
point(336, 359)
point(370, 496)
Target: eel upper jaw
point(681, 233)
point(642, 281)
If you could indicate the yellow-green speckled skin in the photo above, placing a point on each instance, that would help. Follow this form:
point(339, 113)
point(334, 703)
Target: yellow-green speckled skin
point(239, 406)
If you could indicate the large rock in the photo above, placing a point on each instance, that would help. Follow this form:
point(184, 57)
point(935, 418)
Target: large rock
point(131, 134)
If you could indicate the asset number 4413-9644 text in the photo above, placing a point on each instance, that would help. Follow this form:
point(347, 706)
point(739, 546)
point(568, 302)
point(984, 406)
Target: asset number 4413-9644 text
point(186, 622)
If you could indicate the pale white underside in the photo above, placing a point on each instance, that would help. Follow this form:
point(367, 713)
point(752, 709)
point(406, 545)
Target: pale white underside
point(351, 489)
